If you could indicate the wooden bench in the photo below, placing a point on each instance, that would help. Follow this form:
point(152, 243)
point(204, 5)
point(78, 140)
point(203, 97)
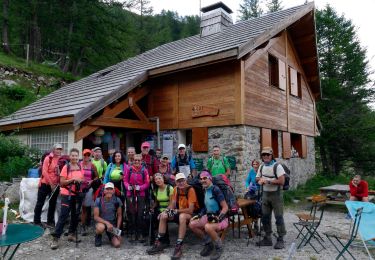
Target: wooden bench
point(340, 201)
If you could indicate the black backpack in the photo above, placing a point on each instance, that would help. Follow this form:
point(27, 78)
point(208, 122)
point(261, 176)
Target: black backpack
point(287, 174)
point(196, 184)
point(223, 183)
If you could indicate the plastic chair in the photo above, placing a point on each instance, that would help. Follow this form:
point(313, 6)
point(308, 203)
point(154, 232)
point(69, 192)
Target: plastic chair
point(345, 240)
point(308, 223)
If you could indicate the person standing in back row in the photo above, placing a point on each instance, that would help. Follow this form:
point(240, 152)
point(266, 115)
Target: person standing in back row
point(218, 164)
point(99, 162)
point(183, 162)
point(272, 198)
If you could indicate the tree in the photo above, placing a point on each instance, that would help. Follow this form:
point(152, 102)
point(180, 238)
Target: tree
point(5, 28)
point(274, 6)
point(346, 90)
point(249, 9)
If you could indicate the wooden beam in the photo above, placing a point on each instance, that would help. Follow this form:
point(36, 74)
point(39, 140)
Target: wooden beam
point(83, 132)
point(139, 113)
point(40, 123)
point(122, 123)
point(309, 60)
point(258, 53)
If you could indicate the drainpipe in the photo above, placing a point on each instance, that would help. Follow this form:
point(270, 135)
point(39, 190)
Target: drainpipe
point(155, 118)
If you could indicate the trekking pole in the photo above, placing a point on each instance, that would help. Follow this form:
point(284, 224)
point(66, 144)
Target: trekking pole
point(50, 196)
point(150, 216)
point(78, 208)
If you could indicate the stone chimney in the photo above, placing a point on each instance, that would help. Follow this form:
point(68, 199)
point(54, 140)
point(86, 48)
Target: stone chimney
point(215, 18)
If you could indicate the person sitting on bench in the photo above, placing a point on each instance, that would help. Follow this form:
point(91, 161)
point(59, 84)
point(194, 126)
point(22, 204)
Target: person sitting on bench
point(358, 189)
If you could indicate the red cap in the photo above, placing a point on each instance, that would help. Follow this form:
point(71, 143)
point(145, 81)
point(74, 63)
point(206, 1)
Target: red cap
point(86, 151)
point(145, 144)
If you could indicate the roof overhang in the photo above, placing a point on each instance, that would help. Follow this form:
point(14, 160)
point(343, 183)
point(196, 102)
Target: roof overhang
point(39, 123)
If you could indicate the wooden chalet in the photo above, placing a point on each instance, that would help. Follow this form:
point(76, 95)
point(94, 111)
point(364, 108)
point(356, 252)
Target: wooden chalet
point(241, 86)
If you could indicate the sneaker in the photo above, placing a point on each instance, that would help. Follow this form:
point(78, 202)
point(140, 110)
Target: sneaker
point(55, 243)
point(217, 253)
point(84, 231)
point(156, 248)
point(72, 238)
point(264, 242)
point(177, 252)
point(279, 244)
point(207, 249)
point(98, 240)
point(50, 225)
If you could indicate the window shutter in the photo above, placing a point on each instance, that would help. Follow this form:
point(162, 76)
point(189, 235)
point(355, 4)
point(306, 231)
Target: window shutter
point(286, 145)
point(200, 139)
point(304, 146)
point(282, 75)
point(293, 82)
point(266, 137)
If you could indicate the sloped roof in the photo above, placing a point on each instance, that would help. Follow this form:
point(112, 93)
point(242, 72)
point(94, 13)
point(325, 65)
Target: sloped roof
point(89, 95)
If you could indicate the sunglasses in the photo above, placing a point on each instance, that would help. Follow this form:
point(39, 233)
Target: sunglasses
point(266, 154)
point(203, 178)
point(109, 188)
point(180, 180)
point(137, 160)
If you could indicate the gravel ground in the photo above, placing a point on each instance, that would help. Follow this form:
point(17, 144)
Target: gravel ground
point(234, 248)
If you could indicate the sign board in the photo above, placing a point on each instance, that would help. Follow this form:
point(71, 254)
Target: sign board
point(200, 110)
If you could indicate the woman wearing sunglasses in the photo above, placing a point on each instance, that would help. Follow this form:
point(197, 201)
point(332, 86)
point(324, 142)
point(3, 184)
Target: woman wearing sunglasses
point(212, 219)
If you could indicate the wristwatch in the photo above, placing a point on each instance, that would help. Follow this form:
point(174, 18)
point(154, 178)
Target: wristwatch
point(269, 182)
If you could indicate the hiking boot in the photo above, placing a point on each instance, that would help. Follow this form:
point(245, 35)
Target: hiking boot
point(266, 241)
point(279, 243)
point(84, 231)
point(132, 238)
point(55, 243)
point(156, 248)
point(98, 240)
point(177, 252)
point(141, 239)
point(72, 238)
point(207, 249)
point(217, 252)
point(50, 225)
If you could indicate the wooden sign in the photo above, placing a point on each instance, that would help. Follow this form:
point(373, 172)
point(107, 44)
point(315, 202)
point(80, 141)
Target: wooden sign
point(199, 111)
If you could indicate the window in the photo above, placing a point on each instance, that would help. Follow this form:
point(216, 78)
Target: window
point(45, 140)
point(295, 83)
point(273, 66)
point(270, 138)
point(299, 145)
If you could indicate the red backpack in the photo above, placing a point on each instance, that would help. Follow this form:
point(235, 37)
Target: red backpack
point(99, 193)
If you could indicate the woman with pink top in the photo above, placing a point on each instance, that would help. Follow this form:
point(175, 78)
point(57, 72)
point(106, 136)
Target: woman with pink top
point(137, 182)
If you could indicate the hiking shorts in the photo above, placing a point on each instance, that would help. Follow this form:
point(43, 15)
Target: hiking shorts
point(88, 201)
point(201, 222)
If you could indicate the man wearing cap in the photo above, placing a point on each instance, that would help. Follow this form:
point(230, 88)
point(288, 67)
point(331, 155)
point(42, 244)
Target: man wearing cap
point(49, 185)
point(180, 210)
point(148, 160)
point(183, 162)
point(130, 156)
point(272, 198)
point(98, 161)
point(164, 168)
point(212, 219)
point(107, 214)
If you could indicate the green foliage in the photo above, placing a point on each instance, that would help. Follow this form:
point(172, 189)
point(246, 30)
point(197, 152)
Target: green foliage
point(274, 6)
point(15, 158)
point(249, 9)
point(347, 138)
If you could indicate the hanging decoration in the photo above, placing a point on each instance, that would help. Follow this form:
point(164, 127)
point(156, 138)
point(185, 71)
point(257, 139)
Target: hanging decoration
point(99, 132)
point(97, 140)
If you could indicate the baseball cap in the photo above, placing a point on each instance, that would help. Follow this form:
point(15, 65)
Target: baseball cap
point(57, 146)
point(96, 149)
point(267, 149)
point(109, 185)
point(86, 151)
point(145, 144)
point(181, 146)
point(180, 175)
point(165, 156)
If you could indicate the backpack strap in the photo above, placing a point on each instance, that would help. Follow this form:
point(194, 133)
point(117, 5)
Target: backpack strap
point(261, 170)
point(275, 169)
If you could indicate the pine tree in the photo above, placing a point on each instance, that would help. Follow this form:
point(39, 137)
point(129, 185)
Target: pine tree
point(249, 9)
point(274, 6)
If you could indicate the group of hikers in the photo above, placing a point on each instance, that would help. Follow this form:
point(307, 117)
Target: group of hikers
point(140, 193)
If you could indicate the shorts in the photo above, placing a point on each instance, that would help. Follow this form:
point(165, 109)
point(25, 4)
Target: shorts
point(88, 200)
point(201, 222)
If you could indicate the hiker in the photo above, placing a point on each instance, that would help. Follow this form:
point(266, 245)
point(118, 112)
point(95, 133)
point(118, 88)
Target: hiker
point(110, 156)
point(180, 210)
point(165, 169)
point(272, 198)
point(130, 156)
point(48, 186)
point(148, 160)
point(116, 170)
point(162, 196)
point(99, 162)
point(358, 189)
point(251, 176)
point(218, 164)
point(212, 219)
point(183, 162)
point(90, 176)
point(158, 153)
point(107, 215)
point(137, 182)
point(71, 178)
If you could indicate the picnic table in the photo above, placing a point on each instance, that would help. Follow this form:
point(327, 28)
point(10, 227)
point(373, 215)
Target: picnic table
point(18, 234)
point(337, 194)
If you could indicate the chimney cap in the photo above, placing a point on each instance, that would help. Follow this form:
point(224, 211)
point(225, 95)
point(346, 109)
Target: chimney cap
point(216, 6)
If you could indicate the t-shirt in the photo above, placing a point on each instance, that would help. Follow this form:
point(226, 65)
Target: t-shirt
point(213, 198)
point(183, 202)
point(268, 174)
point(360, 191)
point(162, 197)
point(101, 166)
point(215, 166)
point(72, 174)
point(108, 209)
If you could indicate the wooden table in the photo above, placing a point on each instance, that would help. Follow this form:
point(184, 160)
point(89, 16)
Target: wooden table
point(338, 193)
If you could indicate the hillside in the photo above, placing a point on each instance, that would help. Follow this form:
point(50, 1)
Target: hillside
point(21, 85)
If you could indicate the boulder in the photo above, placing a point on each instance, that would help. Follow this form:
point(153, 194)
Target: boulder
point(3, 188)
point(9, 83)
point(13, 193)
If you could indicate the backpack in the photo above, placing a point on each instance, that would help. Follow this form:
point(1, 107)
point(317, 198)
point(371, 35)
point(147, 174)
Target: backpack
point(287, 174)
point(63, 160)
point(40, 168)
point(99, 193)
point(196, 184)
point(168, 187)
point(142, 170)
point(185, 161)
point(224, 184)
point(212, 162)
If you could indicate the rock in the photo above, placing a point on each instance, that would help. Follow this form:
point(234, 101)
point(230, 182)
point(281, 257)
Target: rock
point(3, 188)
point(6, 72)
point(13, 193)
point(40, 78)
point(9, 83)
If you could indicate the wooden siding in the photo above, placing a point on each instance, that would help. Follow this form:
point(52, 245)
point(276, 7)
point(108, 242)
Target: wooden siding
point(267, 106)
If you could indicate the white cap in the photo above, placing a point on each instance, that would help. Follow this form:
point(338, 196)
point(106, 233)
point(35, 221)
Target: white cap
point(180, 175)
point(109, 185)
point(181, 146)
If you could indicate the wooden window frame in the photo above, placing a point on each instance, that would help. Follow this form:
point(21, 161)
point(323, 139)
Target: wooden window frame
point(270, 137)
point(273, 71)
point(299, 143)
